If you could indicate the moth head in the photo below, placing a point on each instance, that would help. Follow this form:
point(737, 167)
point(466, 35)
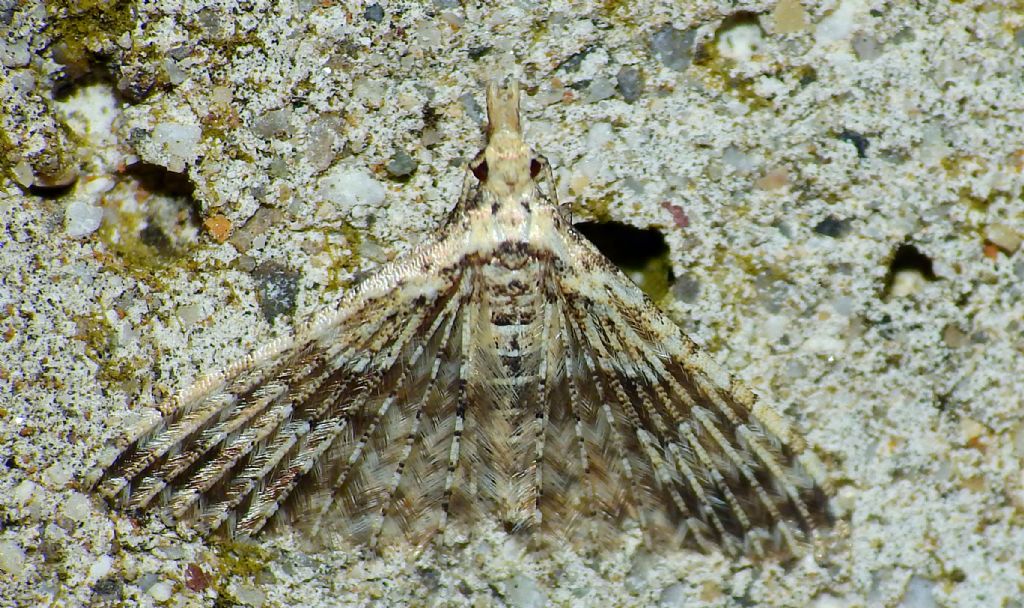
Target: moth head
point(506, 167)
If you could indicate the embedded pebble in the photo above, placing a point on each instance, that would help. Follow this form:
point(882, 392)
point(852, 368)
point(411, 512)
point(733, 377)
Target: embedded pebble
point(629, 83)
point(673, 595)
point(401, 164)
point(349, 186)
point(599, 135)
point(76, 507)
point(250, 596)
point(178, 142)
point(101, 567)
point(12, 558)
point(741, 41)
point(833, 227)
point(672, 47)
point(686, 288)
point(794, 369)
point(738, 159)
point(860, 143)
point(277, 288)
point(82, 218)
point(23, 173)
point(57, 475)
point(23, 492)
point(906, 282)
point(190, 314)
point(160, 591)
point(522, 591)
point(472, 108)
point(954, 338)
point(600, 89)
point(919, 594)
point(774, 327)
point(369, 92)
point(274, 124)
point(839, 24)
point(15, 54)
point(175, 75)
point(866, 47)
point(843, 306)
point(147, 580)
point(108, 588)
point(789, 17)
point(23, 81)
point(256, 226)
point(321, 142)
point(374, 13)
point(1003, 237)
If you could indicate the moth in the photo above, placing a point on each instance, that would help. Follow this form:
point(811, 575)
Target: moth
point(504, 370)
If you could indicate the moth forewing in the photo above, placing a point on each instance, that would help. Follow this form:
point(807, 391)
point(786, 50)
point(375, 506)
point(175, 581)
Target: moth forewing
point(502, 371)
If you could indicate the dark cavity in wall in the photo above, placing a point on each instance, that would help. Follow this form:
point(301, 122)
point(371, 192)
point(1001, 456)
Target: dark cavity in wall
point(907, 258)
point(641, 253)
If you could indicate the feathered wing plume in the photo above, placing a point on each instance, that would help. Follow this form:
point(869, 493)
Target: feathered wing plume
point(504, 369)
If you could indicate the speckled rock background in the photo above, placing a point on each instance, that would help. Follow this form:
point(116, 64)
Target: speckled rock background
point(838, 183)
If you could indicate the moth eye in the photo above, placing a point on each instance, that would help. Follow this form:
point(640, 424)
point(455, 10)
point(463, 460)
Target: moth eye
point(534, 167)
point(480, 171)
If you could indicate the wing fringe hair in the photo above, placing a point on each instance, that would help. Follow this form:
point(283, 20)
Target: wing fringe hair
point(497, 373)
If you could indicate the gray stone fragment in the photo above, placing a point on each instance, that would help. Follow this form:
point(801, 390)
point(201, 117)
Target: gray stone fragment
point(672, 47)
point(277, 287)
point(374, 13)
point(401, 164)
point(273, 124)
point(629, 82)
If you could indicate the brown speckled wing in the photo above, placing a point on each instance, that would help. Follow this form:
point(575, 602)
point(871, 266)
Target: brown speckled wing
point(505, 372)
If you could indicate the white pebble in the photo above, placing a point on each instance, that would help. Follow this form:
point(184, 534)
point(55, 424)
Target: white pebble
point(522, 592)
point(840, 24)
point(100, 567)
point(190, 314)
point(12, 558)
point(1004, 237)
point(370, 92)
point(57, 475)
point(24, 174)
point(600, 134)
point(738, 159)
point(76, 507)
point(161, 591)
point(349, 187)
point(919, 594)
point(740, 42)
point(823, 345)
point(23, 492)
point(82, 219)
point(180, 143)
point(673, 595)
point(774, 328)
point(250, 596)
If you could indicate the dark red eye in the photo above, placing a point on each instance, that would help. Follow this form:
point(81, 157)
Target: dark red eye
point(534, 167)
point(480, 171)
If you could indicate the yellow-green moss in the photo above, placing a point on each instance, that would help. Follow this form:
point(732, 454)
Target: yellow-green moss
point(596, 209)
point(235, 558)
point(654, 279)
point(87, 25)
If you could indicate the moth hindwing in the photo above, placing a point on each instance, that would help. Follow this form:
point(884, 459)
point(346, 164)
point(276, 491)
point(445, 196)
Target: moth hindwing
point(503, 370)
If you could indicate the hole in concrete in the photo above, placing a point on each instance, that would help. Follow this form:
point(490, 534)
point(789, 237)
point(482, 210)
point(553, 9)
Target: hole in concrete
point(909, 270)
point(641, 253)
